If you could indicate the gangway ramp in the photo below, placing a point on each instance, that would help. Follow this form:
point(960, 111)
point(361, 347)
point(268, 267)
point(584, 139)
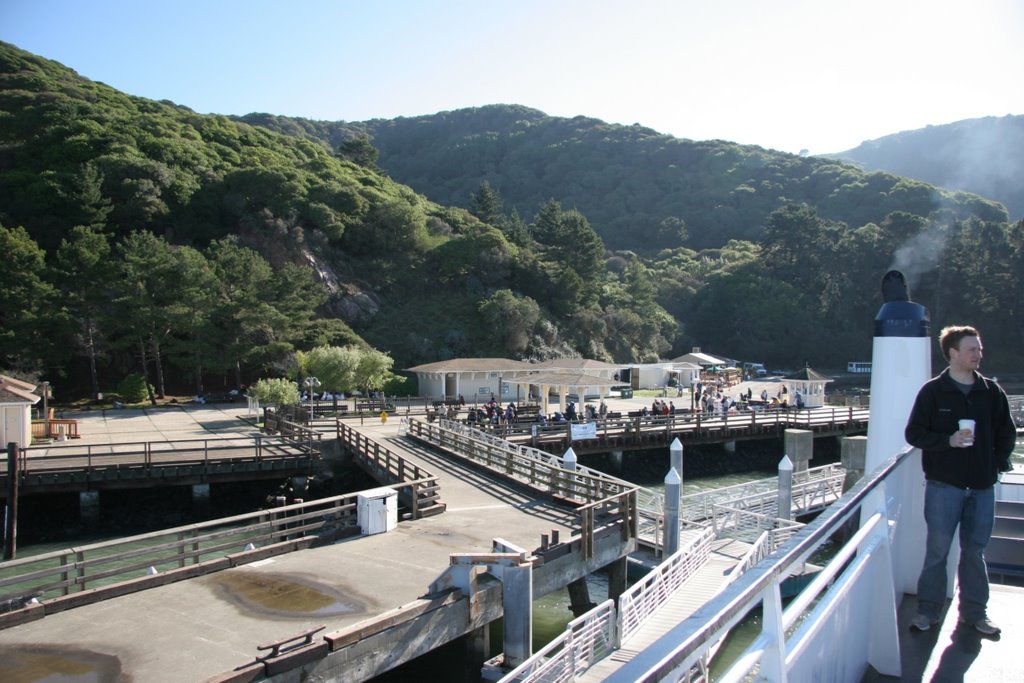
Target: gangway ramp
point(723, 557)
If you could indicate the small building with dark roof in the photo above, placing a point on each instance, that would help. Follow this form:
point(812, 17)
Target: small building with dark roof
point(810, 384)
point(16, 401)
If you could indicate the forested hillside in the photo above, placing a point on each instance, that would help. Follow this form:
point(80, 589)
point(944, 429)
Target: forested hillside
point(984, 156)
point(209, 252)
point(640, 189)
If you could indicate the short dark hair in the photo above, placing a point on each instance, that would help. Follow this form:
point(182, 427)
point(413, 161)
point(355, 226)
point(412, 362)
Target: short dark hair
point(951, 335)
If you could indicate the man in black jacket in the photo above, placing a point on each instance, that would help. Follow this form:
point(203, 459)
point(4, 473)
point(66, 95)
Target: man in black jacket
point(961, 469)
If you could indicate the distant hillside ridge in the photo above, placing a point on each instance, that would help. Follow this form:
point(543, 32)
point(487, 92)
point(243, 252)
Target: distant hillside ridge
point(634, 184)
point(984, 156)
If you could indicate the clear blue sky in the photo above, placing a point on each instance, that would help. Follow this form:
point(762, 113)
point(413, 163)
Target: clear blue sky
point(822, 75)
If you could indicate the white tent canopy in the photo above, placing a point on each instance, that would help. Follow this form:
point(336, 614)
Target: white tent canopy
point(701, 359)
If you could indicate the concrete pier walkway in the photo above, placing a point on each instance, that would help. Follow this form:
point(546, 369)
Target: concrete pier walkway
point(198, 628)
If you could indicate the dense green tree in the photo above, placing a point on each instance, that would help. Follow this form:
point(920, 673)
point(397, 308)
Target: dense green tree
point(83, 273)
point(359, 150)
point(374, 369)
point(335, 367)
point(29, 310)
point(190, 303)
point(510, 320)
point(486, 204)
point(139, 310)
point(516, 230)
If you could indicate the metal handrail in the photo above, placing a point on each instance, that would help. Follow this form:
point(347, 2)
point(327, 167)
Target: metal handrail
point(687, 647)
point(585, 641)
point(646, 597)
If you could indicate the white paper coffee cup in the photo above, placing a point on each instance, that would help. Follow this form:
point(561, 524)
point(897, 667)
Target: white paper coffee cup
point(968, 425)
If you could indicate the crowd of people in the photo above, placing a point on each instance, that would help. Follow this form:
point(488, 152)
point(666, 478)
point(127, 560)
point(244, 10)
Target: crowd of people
point(709, 399)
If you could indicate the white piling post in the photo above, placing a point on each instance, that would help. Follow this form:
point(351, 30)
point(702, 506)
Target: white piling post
point(673, 485)
point(785, 494)
point(569, 463)
point(675, 452)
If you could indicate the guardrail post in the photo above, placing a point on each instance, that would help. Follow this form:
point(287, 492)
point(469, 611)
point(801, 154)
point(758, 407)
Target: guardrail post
point(11, 525)
point(415, 496)
point(587, 532)
point(517, 604)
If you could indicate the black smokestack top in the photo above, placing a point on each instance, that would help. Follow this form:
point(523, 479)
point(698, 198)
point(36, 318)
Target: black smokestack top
point(894, 287)
point(899, 316)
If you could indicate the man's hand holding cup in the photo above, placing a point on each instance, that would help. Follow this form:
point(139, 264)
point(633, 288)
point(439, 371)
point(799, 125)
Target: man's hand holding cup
point(965, 437)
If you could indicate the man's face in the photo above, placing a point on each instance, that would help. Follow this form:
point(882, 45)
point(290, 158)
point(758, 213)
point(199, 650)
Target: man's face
point(966, 356)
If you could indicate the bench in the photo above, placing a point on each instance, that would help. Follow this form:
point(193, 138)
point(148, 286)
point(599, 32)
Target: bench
point(220, 397)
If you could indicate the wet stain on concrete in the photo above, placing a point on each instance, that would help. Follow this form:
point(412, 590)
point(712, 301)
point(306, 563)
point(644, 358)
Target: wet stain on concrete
point(285, 595)
point(55, 664)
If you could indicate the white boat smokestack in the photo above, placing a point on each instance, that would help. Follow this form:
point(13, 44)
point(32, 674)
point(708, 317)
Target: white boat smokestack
point(900, 364)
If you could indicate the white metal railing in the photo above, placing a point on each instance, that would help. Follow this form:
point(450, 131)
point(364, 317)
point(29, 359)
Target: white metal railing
point(793, 644)
point(746, 525)
point(585, 641)
point(648, 595)
point(812, 489)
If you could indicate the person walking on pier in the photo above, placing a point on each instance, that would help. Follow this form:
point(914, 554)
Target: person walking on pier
point(961, 466)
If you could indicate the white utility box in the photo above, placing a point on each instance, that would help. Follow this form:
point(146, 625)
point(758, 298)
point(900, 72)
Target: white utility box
point(377, 510)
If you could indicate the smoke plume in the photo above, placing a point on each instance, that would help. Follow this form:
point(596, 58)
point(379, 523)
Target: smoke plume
point(920, 254)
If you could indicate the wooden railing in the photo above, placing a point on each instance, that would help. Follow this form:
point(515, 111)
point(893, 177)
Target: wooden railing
point(601, 501)
point(417, 487)
point(92, 462)
point(70, 577)
point(55, 428)
point(645, 429)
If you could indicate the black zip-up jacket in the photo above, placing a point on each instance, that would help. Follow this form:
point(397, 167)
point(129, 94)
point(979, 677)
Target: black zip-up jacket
point(938, 409)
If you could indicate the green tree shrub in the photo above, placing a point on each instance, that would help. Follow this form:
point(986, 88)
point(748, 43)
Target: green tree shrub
point(276, 392)
point(133, 388)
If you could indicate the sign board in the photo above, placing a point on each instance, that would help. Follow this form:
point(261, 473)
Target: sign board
point(586, 430)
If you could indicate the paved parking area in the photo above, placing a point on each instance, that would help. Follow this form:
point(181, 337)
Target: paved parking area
point(165, 423)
